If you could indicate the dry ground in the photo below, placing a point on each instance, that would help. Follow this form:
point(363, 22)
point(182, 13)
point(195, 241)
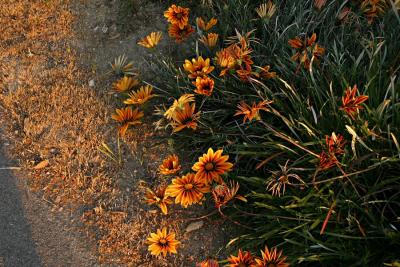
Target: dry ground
point(50, 50)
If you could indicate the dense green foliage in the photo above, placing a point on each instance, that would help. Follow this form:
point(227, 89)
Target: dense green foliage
point(359, 196)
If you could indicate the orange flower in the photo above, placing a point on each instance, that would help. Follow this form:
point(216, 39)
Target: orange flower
point(210, 40)
point(211, 166)
point(208, 263)
point(185, 118)
point(265, 73)
point(373, 9)
point(242, 260)
point(335, 147)
point(124, 84)
point(307, 48)
point(187, 190)
point(170, 165)
point(178, 16)
point(251, 112)
point(141, 96)
point(236, 58)
point(223, 193)
point(162, 242)
point(178, 105)
point(351, 104)
point(206, 26)
point(335, 144)
point(271, 257)
point(127, 116)
point(180, 34)
point(151, 40)
point(159, 198)
point(204, 85)
point(198, 67)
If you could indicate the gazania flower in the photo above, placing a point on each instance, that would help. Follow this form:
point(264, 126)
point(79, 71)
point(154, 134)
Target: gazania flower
point(351, 104)
point(270, 258)
point(124, 84)
point(335, 144)
point(198, 67)
point(141, 96)
point(210, 40)
point(158, 198)
point(372, 9)
point(241, 260)
point(180, 34)
point(224, 193)
point(208, 263)
point(162, 243)
point(335, 147)
point(178, 104)
point(206, 26)
point(178, 16)
point(236, 59)
point(185, 118)
point(280, 179)
point(211, 166)
point(127, 117)
point(307, 49)
point(252, 112)
point(187, 190)
point(204, 85)
point(170, 165)
point(151, 40)
point(266, 11)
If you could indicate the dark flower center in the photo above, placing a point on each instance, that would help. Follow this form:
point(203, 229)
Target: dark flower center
point(163, 241)
point(188, 186)
point(209, 166)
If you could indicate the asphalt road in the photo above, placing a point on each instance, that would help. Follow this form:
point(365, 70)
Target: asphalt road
point(31, 234)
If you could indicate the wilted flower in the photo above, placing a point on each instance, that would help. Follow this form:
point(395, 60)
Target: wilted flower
point(178, 16)
point(373, 8)
point(124, 84)
point(187, 190)
point(158, 198)
point(307, 49)
point(180, 34)
point(351, 104)
point(121, 66)
point(266, 11)
point(265, 73)
point(211, 166)
point(162, 243)
point(141, 96)
point(335, 147)
point(243, 259)
point(151, 40)
point(204, 85)
point(280, 179)
point(270, 258)
point(198, 67)
point(206, 26)
point(127, 116)
point(170, 165)
point(210, 40)
point(223, 193)
point(252, 112)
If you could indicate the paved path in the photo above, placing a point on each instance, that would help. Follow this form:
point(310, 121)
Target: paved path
point(30, 234)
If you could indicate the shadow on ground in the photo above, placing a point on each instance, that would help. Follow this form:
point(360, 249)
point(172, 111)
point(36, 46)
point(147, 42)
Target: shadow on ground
point(16, 245)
